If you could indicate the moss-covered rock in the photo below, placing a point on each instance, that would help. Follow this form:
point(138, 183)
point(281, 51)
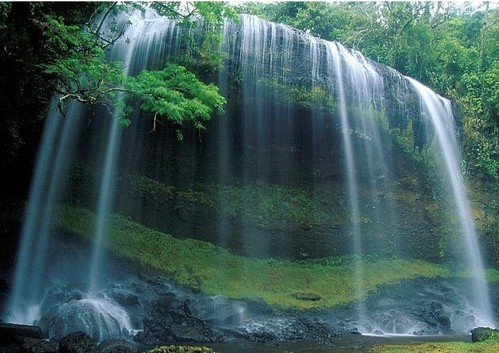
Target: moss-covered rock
point(181, 349)
point(481, 334)
point(214, 270)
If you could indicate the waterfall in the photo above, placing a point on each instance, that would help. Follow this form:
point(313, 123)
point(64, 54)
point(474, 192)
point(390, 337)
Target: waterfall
point(36, 266)
point(301, 111)
point(271, 55)
point(441, 118)
point(50, 170)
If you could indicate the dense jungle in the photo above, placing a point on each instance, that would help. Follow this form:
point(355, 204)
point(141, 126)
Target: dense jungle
point(249, 177)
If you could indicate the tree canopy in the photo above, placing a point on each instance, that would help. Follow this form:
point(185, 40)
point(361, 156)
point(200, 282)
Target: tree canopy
point(450, 47)
point(79, 67)
point(63, 48)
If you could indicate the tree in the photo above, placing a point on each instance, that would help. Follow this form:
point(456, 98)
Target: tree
point(77, 63)
point(177, 94)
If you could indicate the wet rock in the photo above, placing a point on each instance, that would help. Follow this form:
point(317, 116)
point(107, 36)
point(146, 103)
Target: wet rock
point(423, 306)
point(217, 310)
point(181, 349)
point(37, 345)
point(190, 332)
point(481, 334)
point(307, 296)
point(101, 318)
point(116, 346)
point(77, 342)
point(13, 333)
point(146, 338)
point(434, 315)
point(168, 300)
point(124, 298)
point(171, 318)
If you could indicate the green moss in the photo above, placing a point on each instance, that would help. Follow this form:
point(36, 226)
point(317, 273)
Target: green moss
point(440, 347)
point(315, 97)
point(213, 270)
point(271, 205)
point(181, 349)
point(492, 275)
point(267, 205)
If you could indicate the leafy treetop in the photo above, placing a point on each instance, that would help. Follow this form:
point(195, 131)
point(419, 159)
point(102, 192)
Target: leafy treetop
point(77, 63)
point(450, 47)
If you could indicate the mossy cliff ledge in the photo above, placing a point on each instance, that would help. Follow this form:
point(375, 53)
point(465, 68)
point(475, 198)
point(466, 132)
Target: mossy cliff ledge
point(203, 289)
point(293, 222)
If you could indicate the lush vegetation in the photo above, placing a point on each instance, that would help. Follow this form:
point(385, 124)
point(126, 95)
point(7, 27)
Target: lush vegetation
point(447, 347)
point(54, 47)
point(79, 67)
point(452, 48)
point(286, 284)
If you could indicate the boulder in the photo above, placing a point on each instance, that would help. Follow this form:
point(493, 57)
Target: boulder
point(13, 333)
point(37, 345)
point(218, 310)
point(116, 346)
point(481, 334)
point(124, 298)
point(77, 342)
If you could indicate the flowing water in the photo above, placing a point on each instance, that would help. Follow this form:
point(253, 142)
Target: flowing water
point(336, 141)
point(440, 115)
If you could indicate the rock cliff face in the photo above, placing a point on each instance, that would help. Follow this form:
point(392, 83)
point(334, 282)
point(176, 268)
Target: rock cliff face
point(164, 313)
point(305, 119)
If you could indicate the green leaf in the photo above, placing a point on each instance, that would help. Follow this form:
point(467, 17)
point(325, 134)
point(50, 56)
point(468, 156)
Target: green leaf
point(176, 94)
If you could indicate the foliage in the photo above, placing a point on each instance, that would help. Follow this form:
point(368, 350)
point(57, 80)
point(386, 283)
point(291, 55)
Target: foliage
point(4, 13)
point(452, 48)
point(177, 94)
point(440, 347)
point(314, 97)
point(82, 73)
point(24, 88)
point(77, 63)
point(181, 349)
point(398, 34)
point(481, 104)
point(213, 270)
point(210, 17)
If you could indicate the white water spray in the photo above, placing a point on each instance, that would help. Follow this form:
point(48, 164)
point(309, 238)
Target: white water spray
point(439, 111)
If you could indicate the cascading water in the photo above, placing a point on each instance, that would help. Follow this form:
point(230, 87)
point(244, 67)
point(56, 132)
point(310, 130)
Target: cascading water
point(301, 111)
point(439, 113)
point(351, 178)
point(99, 316)
point(31, 267)
point(361, 89)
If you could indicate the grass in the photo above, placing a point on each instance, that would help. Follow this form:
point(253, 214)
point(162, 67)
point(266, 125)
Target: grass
point(181, 349)
point(441, 347)
point(213, 270)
